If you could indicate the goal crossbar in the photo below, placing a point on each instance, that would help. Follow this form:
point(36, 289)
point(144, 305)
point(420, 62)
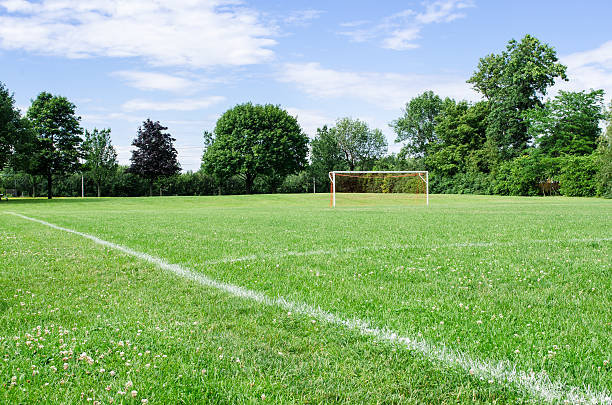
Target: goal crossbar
point(424, 175)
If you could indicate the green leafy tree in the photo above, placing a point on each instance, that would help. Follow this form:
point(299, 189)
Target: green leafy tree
point(461, 130)
point(604, 152)
point(513, 82)
point(251, 140)
point(325, 156)
point(360, 145)
point(568, 124)
point(58, 136)
point(155, 157)
point(10, 125)
point(417, 126)
point(100, 156)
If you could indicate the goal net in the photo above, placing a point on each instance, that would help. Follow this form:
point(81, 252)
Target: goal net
point(362, 187)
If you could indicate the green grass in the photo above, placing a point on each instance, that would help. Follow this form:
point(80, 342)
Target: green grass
point(526, 280)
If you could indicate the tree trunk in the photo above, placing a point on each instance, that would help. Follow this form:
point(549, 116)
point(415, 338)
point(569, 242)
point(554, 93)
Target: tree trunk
point(98, 190)
point(151, 188)
point(49, 185)
point(249, 183)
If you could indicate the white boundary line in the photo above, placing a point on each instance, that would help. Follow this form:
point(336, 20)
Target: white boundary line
point(394, 247)
point(503, 372)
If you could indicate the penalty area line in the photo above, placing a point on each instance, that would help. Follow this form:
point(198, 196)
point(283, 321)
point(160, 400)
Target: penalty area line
point(503, 372)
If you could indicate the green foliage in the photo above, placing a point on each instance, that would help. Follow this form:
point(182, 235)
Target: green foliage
point(417, 126)
point(297, 183)
point(325, 156)
point(461, 132)
point(10, 123)
point(155, 156)
point(461, 183)
point(514, 82)
point(604, 154)
point(360, 145)
point(58, 136)
point(254, 140)
point(568, 124)
point(522, 175)
point(579, 176)
point(100, 156)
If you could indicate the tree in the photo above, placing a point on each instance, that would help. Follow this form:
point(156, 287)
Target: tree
point(10, 123)
point(417, 126)
point(514, 82)
point(604, 151)
point(100, 156)
point(154, 157)
point(57, 131)
point(568, 124)
point(461, 132)
point(252, 140)
point(325, 156)
point(360, 145)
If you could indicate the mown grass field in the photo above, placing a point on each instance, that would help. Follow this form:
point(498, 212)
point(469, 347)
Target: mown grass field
point(525, 282)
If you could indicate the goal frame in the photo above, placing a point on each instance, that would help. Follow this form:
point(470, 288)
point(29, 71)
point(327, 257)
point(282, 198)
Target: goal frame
point(423, 174)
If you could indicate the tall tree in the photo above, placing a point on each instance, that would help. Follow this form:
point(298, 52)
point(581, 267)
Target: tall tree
point(568, 124)
point(154, 157)
point(360, 145)
point(100, 156)
point(417, 126)
point(58, 131)
point(514, 82)
point(252, 140)
point(325, 155)
point(461, 131)
point(605, 159)
point(10, 124)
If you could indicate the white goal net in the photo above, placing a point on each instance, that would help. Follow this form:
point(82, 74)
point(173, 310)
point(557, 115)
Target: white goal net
point(363, 186)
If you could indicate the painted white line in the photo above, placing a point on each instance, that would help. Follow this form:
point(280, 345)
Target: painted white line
point(503, 372)
point(327, 252)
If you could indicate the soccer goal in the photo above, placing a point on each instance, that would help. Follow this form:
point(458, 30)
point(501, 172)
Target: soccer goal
point(408, 185)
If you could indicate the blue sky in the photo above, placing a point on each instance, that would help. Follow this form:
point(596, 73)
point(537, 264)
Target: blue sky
point(185, 62)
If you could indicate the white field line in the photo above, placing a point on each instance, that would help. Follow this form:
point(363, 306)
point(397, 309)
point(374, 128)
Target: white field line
point(503, 372)
point(335, 252)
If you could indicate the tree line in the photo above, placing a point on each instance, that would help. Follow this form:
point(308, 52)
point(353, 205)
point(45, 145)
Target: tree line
point(511, 142)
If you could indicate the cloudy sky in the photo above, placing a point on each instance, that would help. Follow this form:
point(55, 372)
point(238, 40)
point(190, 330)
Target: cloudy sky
point(185, 62)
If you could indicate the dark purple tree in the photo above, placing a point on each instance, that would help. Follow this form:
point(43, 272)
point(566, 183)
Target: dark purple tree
point(154, 157)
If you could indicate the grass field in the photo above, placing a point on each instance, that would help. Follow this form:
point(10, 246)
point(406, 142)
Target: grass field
point(472, 300)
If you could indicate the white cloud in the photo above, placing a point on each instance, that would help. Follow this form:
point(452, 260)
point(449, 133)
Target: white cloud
point(387, 90)
point(310, 120)
point(443, 11)
point(400, 30)
point(401, 40)
point(155, 81)
point(586, 70)
point(302, 18)
point(191, 33)
point(172, 105)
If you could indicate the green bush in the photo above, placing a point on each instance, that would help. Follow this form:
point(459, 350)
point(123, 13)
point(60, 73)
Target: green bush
point(604, 155)
point(461, 183)
point(521, 176)
point(296, 183)
point(579, 176)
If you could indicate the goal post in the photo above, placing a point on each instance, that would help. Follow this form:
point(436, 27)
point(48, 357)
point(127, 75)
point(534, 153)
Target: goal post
point(412, 182)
